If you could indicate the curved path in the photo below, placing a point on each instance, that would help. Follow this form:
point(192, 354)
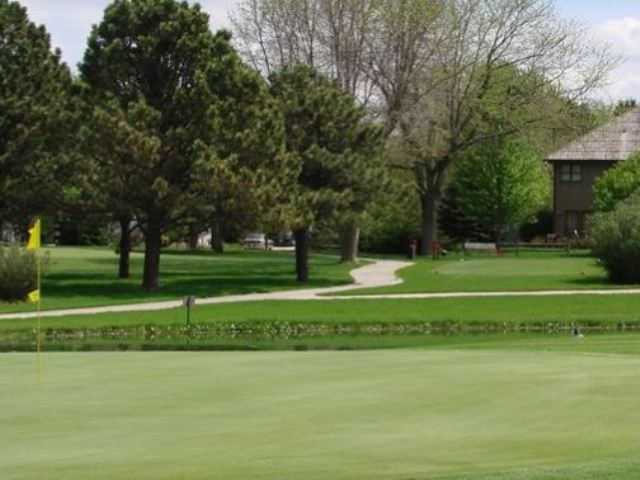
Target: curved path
point(380, 273)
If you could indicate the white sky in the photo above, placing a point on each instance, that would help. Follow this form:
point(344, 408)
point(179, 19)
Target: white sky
point(617, 22)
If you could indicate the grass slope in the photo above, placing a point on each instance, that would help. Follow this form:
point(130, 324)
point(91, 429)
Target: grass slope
point(395, 414)
point(509, 311)
point(82, 277)
point(484, 273)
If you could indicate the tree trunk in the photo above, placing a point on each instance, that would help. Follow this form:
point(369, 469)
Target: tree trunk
point(497, 234)
point(153, 245)
point(193, 239)
point(217, 241)
point(349, 240)
point(302, 254)
point(125, 247)
point(429, 233)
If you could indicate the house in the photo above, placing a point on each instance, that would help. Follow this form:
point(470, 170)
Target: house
point(577, 166)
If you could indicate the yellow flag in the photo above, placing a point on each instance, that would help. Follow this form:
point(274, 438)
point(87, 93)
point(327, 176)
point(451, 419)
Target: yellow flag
point(34, 236)
point(34, 297)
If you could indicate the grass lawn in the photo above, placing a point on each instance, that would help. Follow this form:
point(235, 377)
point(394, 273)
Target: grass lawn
point(395, 414)
point(83, 277)
point(484, 273)
point(604, 311)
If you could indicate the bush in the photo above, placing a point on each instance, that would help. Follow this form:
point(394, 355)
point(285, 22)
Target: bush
point(616, 240)
point(17, 273)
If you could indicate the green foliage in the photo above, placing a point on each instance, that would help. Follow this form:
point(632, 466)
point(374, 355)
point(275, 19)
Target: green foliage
point(128, 64)
point(392, 220)
point(497, 186)
point(337, 148)
point(34, 87)
point(243, 175)
point(327, 133)
point(17, 273)
point(617, 184)
point(616, 240)
point(176, 127)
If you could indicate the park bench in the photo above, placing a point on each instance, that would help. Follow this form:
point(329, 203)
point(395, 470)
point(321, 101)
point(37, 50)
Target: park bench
point(482, 247)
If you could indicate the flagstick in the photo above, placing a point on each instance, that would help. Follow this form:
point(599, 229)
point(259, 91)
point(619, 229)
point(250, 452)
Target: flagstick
point(38, 310)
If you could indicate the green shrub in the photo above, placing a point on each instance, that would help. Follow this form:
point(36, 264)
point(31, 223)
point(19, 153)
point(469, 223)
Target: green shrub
point(17, 273)
point(616, 240)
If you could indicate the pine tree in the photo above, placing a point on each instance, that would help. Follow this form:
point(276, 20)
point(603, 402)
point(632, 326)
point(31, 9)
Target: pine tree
point(34, 133)
point(328, 134)
point(184, 83)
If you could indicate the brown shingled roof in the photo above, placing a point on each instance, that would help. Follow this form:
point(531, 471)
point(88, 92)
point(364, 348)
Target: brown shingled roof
point(616, 140)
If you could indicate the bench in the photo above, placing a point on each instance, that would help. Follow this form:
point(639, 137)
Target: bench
point(482, 247)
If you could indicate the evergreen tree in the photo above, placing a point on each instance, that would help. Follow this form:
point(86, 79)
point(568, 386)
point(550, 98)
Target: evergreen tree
point(328, 134)
point(182, 83)
point(115, 144)
point(34, 119)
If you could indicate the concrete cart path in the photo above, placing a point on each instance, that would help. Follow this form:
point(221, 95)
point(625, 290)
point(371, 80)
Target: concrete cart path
point(380, 273)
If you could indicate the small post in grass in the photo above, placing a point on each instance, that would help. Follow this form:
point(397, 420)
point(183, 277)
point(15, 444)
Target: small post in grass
point(189, 302)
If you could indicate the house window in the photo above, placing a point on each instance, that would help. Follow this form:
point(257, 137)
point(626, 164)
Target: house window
point(571, 173)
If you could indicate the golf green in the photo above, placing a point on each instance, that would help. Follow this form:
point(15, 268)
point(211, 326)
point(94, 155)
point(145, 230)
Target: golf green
point(394, 414)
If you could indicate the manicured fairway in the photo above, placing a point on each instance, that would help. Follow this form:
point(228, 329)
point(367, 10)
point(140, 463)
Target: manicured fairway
point(396, 414)
point(485, 273)
point(82, 277)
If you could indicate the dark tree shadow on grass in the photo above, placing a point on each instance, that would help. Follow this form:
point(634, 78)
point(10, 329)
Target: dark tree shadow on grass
point(174, 286)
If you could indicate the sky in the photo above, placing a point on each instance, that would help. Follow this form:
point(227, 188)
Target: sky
point(616, 22)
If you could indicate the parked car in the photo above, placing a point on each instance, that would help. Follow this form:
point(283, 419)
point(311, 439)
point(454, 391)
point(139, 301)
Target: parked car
point(257, 241)
point(284, 239)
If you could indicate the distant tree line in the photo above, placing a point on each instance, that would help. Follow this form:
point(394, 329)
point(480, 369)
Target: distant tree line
point(357, 117)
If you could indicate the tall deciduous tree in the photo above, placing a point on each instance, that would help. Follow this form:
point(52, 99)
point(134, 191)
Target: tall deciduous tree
point(327, 132)
point(34, 101)
point(374, 49)
point(491, 79)
point(180, 81)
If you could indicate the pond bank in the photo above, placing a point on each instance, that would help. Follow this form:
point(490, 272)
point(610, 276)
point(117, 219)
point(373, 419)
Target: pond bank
point(291, 337)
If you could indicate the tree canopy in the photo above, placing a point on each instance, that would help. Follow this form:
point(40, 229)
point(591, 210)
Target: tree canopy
point(498, 186)
point(34, 134)
point(192, 96)
point(329, 135)
point(617, 184)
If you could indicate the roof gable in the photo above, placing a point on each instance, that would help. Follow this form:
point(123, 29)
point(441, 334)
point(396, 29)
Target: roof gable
point(614, 141)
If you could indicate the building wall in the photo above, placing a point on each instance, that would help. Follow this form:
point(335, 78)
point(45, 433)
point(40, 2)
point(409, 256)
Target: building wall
point(575, 199)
